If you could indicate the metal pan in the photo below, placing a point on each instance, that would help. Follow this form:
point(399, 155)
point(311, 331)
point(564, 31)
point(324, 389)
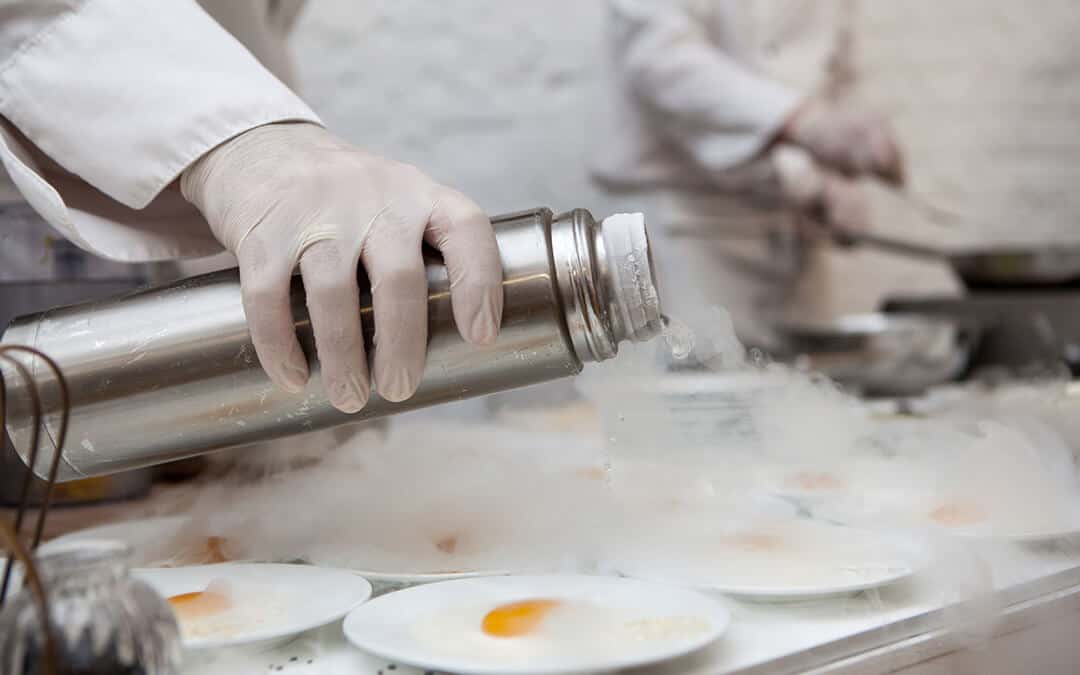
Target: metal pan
point(998, 267)
point(883, 354)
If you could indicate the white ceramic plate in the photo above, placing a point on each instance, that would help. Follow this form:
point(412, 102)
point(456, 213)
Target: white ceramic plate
point(917, 522)
point(385, 582)
point(263, 604)
point(146, 537)
point(149, 539)
point(1020, 537)
point(1050, 532)
point(597, 624)
point(796, 561)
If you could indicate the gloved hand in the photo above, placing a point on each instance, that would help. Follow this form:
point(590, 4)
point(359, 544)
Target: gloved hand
point(824, 198)
point(846, 139)
point(284, 194)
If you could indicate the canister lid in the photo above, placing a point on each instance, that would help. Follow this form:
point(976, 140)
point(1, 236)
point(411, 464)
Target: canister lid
point(633, 298)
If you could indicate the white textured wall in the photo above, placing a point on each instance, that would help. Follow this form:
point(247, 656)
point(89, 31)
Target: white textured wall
point(985, 97)
point(489, 96)
point(494, 96)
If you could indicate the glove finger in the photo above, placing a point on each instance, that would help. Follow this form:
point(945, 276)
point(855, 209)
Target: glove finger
point(264, 287)
point(333, 301)
point(801, 180)
point(888, 160)
point(392, 258)
point(461, 230)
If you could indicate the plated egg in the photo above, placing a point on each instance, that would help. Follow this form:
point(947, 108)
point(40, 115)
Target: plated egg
point(958, 513)
point(815, 481)
point(772, 559)
point(253, 604)
point(223, 610)
point(519, 630)
point(536, 624)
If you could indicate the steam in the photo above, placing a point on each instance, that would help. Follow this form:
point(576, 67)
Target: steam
point(653, 472)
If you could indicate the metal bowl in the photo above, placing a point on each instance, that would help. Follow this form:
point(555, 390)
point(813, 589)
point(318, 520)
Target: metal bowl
point(884, 354)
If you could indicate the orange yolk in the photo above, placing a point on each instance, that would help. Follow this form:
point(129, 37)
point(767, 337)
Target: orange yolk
point(215, 550)
point(209, 551)
point(447, 544)
point(755, 541)
point(592, 472)
point(957, 514)
point(199, 604)
point(518, 618)
point(809, 480)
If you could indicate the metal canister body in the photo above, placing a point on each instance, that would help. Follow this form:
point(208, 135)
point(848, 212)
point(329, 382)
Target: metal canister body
point(171, 372)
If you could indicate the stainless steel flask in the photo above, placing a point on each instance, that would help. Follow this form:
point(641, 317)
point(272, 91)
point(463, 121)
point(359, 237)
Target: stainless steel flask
point(171, 372)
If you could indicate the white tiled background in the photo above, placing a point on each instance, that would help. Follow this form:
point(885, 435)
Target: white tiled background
point(490, 96)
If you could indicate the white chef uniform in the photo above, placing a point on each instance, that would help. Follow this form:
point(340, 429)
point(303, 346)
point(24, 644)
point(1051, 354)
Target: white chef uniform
point(700, 89)
point(105, 102)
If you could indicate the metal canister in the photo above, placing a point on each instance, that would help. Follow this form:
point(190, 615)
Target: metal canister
point(40, 270)
point(171, 372)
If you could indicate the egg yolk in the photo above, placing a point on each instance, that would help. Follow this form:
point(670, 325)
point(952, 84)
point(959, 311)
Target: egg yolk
point(208, 551)
point(592, 473)
point(809, 480)
point(956, 514)
point(199, 604)
point(448, 544)
point(215, 550)
point(518, 618)
point(755, 541)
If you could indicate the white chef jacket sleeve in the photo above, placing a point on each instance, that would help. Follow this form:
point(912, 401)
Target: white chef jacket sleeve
point(105, 102)
point(720, 112)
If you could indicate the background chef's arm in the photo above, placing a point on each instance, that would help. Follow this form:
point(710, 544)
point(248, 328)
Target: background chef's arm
point(121, 97)
point(721, 113)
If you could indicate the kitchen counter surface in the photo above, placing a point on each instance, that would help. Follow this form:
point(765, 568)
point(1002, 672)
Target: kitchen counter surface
point(1029, 624)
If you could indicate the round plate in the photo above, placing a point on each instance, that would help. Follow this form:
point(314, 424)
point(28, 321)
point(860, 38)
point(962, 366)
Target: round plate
point(788, 562)
point(1029, 537)
point(385, 582)
point(1062, 530)
point(598, 624)
point(265, 603)
point(145, 536)
point(984, 532)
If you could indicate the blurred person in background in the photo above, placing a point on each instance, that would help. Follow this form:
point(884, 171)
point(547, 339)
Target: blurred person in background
point(158, 131)
point(734, 121)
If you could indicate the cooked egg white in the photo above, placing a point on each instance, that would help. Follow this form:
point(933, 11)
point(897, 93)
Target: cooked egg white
point(223, 610)
point(518, 631)
point(767, 555)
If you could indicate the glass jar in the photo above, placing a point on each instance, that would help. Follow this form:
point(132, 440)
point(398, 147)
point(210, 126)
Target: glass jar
point(105, 621)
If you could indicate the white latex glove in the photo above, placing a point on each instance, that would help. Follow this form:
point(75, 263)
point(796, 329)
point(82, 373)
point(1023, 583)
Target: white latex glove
point(284, 194)
point(825, 198)
point(846, 139)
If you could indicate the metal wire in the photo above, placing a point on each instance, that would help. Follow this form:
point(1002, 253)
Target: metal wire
point(11, 534)
point(33, 579)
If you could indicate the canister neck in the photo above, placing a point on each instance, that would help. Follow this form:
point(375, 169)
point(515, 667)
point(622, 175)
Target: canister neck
point(607, 282)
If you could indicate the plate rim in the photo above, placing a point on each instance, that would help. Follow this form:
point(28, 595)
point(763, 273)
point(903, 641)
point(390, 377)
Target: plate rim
point(267, 635)
point(902, 543)
point(372, 576)
point(823, 514)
